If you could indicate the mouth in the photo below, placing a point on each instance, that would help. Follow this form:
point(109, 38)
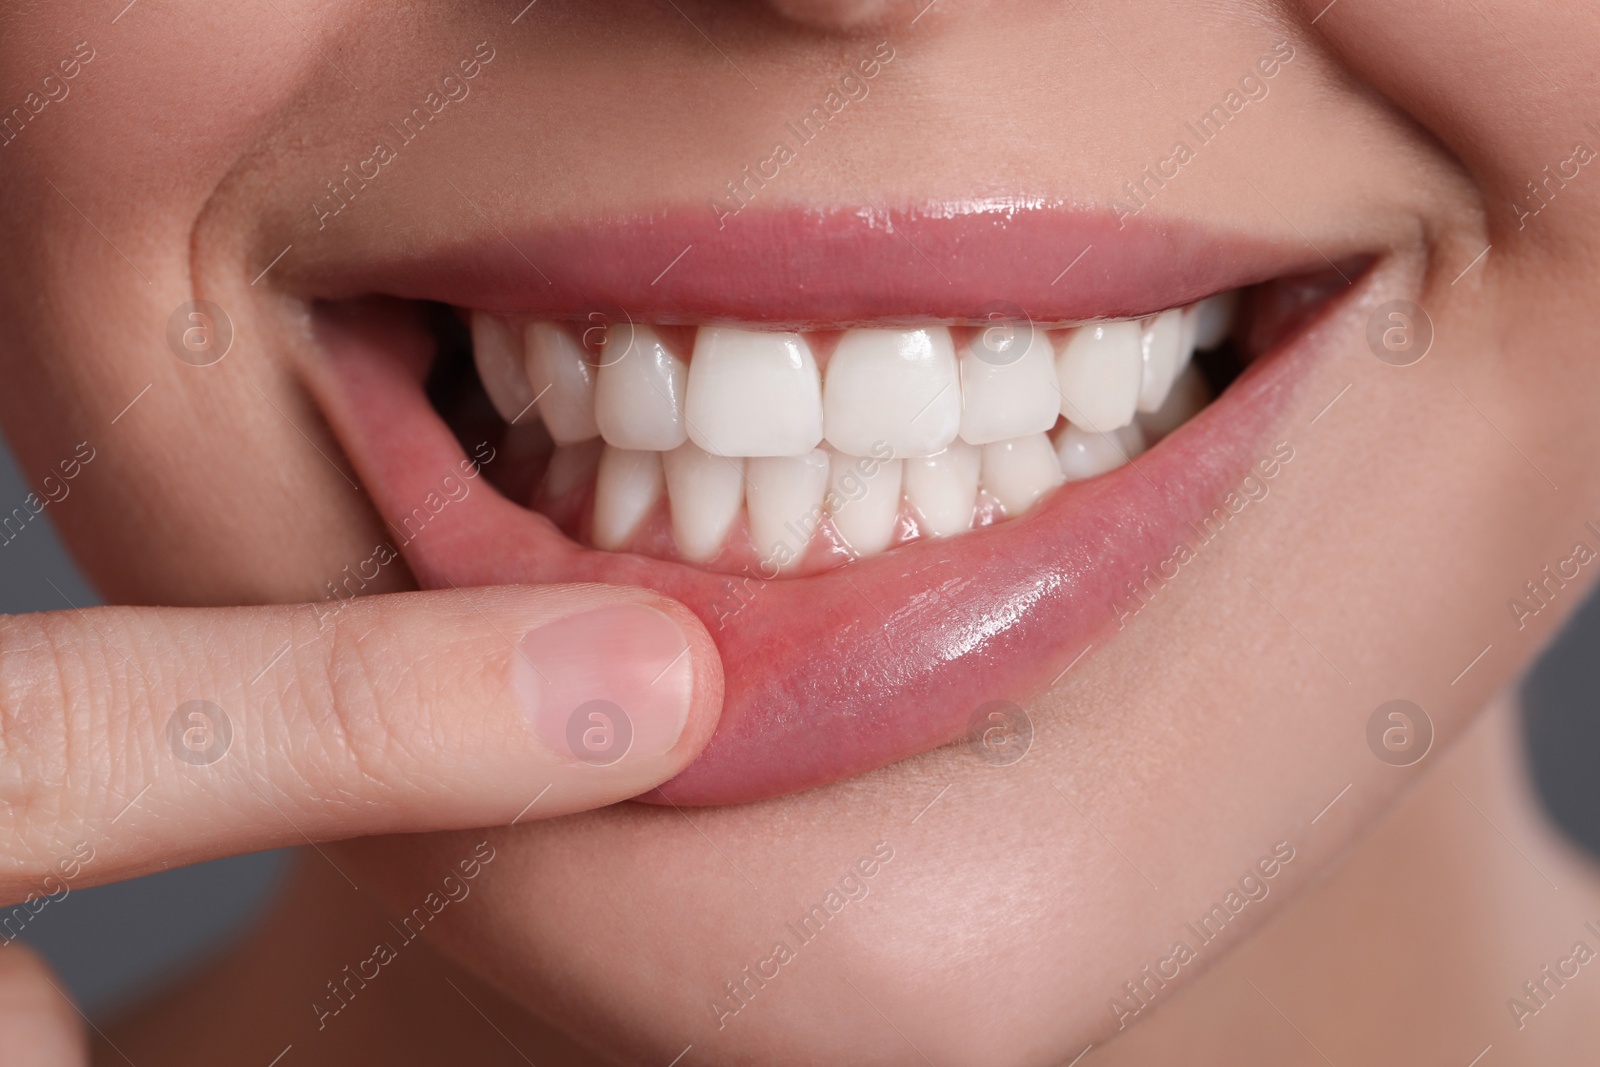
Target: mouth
point(897, 481)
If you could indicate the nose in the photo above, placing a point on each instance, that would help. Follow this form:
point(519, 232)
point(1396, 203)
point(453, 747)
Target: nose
point(845, 14)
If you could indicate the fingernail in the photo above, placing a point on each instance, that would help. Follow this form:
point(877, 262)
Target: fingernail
point(607, 684)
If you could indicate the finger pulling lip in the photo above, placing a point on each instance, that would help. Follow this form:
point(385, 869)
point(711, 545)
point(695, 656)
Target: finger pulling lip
point(838, 673)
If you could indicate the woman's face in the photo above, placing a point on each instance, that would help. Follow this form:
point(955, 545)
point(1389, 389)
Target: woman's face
point(1192, 649)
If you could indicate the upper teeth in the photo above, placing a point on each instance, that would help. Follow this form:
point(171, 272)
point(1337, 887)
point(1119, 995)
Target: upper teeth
point(638, 395)
point(894, 389)
point(1007, 399)
point(1165, 349)
point(499, 354)
point(563, 381)
point(752, 394)
point(897, 434)
point(1100, 371)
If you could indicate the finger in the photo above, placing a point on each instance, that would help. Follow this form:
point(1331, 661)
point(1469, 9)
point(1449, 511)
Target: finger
point(39, 1026)
point(133, 739)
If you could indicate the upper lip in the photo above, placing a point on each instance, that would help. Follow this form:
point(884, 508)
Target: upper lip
point(815, 267)
point(842, 672)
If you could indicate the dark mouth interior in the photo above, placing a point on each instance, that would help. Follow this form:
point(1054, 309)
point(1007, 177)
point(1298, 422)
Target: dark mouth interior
point(457, 394)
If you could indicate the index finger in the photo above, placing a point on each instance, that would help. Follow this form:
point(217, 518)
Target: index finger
point(132, 740)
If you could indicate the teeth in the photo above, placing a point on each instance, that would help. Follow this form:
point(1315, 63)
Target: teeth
point(1085, 454)
point(1099, 372)
point(753, 393)
point(1008, 384)
point(570, 466)
point(564, 383)
point(1018, 472)
point(900, 424)
point(892, 387)
point(1213, 319)
point(705, 493)
point(1189, 394)
point(638, 396)
point(1166, 346)
point(785, 504)
point(628, 485)
point(501, 367)
point(864, 500)
point(943, 488)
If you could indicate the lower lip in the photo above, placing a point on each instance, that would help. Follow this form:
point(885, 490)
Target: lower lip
point(843, 672)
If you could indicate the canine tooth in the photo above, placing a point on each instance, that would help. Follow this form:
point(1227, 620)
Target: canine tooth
point(753, 393)
point(1008, 384)
point(638, 393)
point(563, 381)
point(1099, 372)
point(627, 487)
point(1190, 393)
point(864, 500)
point(1085, 454)
point(1163, 342)
point(1019, 471)
point(570, 466)
point(1213, 319)
point(784, 499)
point(897, 388)
point(943, 488)
point(502, 366)
point(704, 493)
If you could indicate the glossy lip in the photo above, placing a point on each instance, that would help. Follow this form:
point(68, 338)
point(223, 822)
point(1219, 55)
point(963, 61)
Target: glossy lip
point(842, 672)
point(807, 268)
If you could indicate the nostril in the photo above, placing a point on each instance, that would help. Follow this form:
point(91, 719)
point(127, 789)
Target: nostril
point(844, 14)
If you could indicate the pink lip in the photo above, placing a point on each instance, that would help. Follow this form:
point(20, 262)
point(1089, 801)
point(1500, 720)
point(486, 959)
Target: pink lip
point(839, 673)
point(833, 267)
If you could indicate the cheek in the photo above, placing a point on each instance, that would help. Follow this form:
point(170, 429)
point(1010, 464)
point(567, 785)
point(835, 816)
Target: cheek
point(87, 312)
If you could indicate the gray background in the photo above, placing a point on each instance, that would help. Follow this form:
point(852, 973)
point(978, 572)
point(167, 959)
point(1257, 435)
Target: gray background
point(112, 942)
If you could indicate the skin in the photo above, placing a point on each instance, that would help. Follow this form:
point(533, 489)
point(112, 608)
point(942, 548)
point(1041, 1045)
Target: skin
point(1420, 939)
point(1218, 723)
